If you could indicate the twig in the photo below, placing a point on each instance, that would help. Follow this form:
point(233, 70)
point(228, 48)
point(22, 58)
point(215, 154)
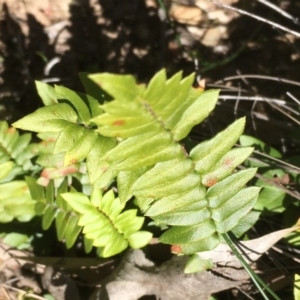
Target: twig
point(286, 253)
point(225, 88)
point(257, 76)
point(293, 97)
point(243, 12)
point(275, 103)
point(294, 194)
point(287, 166)
point(284, 113)
point(55, 60)
point(279, 10)
point(237, 103)
point(253, 98)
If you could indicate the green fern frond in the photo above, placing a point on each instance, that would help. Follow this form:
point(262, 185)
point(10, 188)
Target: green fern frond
point(17, 149)
point(199, 194)
point(104, 223)
point(52, 207)
point(135, 138)
point(16, 153)
point(151, 124)
point(201, 202)
point(69, 116)
point(15, 200)
point(99, 218)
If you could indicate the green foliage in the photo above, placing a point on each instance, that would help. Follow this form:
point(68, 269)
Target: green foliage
point(273, 198)
point(103, 221)
point(277, 178)
point(259, 145)
point(46, 92)
point(15, 202)
point(100, 218)
point(196, 193)
point(130, 135)
point(53, 167)
point(296, 287)
point(70, 117)
point(197, 264)
point(52, 207)
point(16, 153)
point(17, 240)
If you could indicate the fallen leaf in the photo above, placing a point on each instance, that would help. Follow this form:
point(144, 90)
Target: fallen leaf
point(251, 250)
point(136, 276)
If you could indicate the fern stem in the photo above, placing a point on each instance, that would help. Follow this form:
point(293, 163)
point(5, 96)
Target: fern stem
point(255, 278)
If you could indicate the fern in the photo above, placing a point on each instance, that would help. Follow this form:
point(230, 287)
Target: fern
point(16, 154)
point(135, 138)
point(195, 193)
point(16, 149)
point(52, 165)
point(100, 218)
point(104, 223)
point(15, 200)
point(70, 119)
point(51, 206)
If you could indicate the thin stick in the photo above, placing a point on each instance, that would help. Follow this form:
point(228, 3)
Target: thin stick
point(256, 76)
point(284, 164)
point(243, 12)
point(236, 105)
point(284, 113)
point(279, 10)
point(225, 88)
point(294, 194)
point(253, 98)
point(293, 97)
point(270, 101)
point(292, 110)
point(286, 253)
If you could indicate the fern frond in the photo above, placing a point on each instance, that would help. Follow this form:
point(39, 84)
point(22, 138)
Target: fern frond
point(135, 138)
point(104, 223)
point(200, 201)
point(53, 208)
point(16, 153)
point(151, 124)
point(69, 116)
point(99, 218)
point(199, 194)
point(17, 149)
point(15, 201)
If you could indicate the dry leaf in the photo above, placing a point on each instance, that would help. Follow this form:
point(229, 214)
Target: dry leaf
point(251, 250)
